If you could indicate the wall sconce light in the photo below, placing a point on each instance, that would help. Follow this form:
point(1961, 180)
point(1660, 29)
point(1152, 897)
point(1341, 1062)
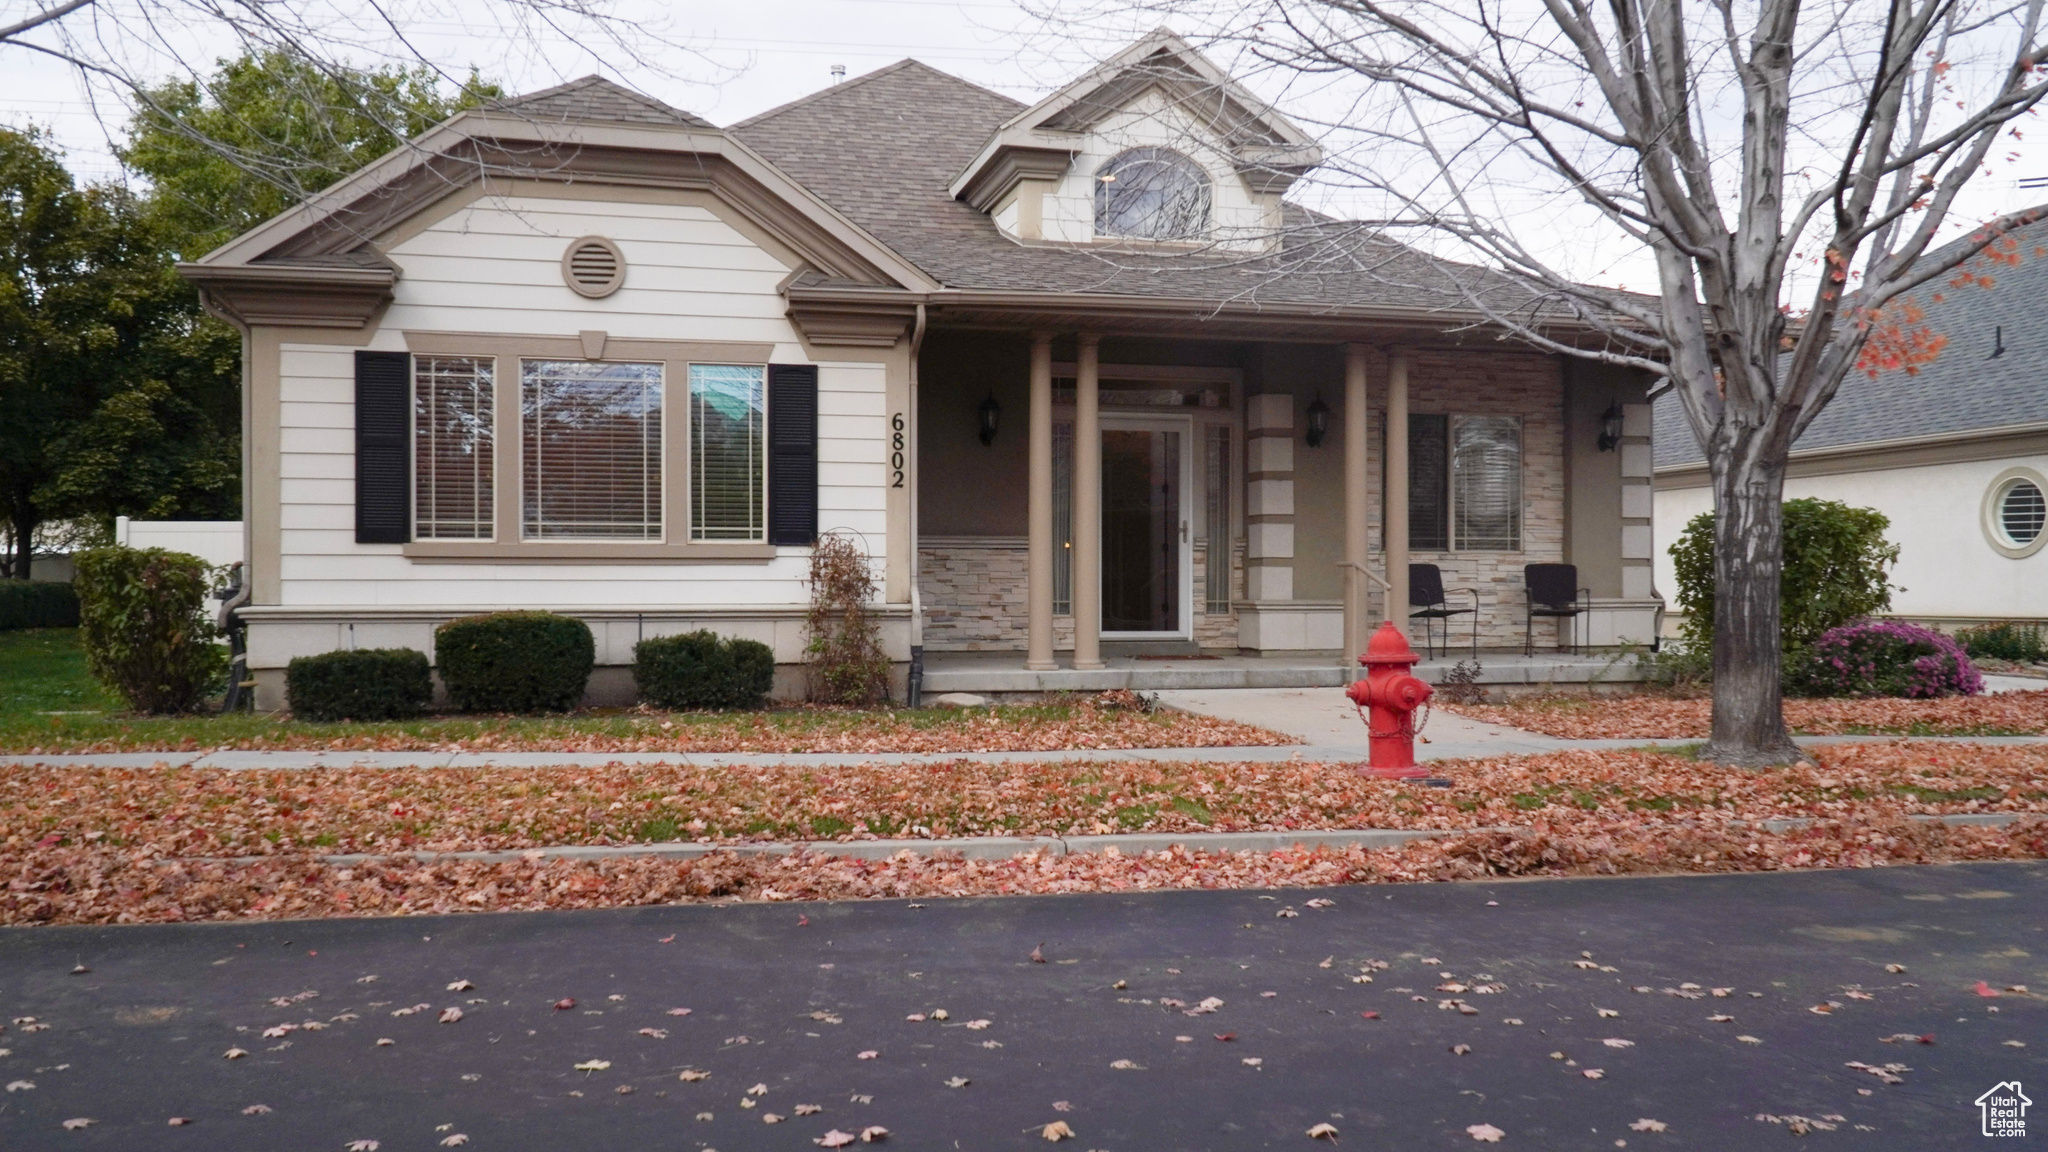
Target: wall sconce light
point(1318, 422)
point(1610, 428)
point(991, 415)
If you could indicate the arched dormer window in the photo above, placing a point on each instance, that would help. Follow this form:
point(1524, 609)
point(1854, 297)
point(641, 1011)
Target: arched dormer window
point(1151, 194)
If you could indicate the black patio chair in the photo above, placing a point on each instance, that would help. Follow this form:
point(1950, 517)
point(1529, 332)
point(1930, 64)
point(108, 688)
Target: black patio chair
point(1554, 592)
point(1426, 595)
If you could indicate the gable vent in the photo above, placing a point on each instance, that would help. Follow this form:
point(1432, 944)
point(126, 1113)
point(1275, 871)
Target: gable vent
point(594, 267)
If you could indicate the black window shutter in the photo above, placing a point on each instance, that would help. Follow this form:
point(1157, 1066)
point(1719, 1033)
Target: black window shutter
point(792, 453)
point(383, 449)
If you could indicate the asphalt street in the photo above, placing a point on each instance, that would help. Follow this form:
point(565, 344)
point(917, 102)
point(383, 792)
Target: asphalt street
point(1156, 1022)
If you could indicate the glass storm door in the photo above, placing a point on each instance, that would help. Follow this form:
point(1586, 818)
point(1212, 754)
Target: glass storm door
point(1145, 537)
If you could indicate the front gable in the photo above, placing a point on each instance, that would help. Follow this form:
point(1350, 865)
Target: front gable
point(1037, 176)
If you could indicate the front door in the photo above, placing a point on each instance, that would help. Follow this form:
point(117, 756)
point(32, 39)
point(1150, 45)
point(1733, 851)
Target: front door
point(1146, 550)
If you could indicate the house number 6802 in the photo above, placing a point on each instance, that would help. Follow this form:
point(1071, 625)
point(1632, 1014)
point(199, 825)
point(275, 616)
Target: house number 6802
point(896, 450)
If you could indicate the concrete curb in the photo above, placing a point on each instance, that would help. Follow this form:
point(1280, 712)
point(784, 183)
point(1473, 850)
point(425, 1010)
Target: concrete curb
point(1008, 847)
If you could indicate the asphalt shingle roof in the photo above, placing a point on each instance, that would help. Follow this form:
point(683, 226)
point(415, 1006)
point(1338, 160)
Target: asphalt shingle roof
point(595, 98)
point(1965, 389)
point(883, 148)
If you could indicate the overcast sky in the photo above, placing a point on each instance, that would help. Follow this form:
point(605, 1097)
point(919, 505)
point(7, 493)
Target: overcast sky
point(755, 54)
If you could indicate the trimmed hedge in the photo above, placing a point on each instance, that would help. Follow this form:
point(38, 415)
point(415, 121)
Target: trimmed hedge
point(515, 661)
point(2018, 641)
point(701, 670)
point(37, 604)
point(367, 684)
point(145, 629)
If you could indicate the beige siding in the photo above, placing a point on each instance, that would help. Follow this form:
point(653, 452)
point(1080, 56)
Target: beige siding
point(493, 267)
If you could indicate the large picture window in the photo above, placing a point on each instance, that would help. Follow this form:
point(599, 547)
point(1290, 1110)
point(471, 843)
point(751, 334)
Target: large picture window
point(590, 450)
point(453, 447)
point(1464, 483)
point(727, 474)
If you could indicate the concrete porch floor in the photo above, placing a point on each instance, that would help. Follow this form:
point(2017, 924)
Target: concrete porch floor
point(986, 672)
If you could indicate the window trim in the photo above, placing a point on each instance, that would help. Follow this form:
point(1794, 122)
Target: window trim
point(1451, 420)
point(508, 472)
point(1992, 516)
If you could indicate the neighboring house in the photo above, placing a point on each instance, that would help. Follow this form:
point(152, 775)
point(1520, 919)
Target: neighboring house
point(218, 542)
point(585, 352)
point(1956, 455)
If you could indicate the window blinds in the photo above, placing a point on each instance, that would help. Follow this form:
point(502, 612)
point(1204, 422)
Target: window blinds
point(453, 447)
point(590, 455)
point(727, 407)
point(1486, 473)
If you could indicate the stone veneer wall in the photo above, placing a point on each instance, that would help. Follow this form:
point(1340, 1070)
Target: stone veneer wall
point(1466, 384)
point(974, 601)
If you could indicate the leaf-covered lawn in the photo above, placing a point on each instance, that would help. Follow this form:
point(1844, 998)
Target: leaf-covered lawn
point(49, 705)
point(1652, 717)
point(183, 812)
point(104, 886)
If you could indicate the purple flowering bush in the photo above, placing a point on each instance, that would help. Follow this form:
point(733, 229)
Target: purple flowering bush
point(1886, 658)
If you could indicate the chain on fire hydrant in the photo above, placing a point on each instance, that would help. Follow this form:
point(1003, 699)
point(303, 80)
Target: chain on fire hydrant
point(1393, 695)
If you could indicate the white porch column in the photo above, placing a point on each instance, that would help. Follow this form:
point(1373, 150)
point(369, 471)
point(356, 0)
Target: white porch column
point(1396, 544)
point(1357, 502)
point(1087, 514)
point(1038, 597)
point(1269, 503)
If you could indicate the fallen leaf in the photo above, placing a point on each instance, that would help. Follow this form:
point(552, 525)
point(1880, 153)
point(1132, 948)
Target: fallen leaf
point(454, 1140)
point(1327, 961)
point(450, 1015)
point(1252, 1061)
point(1038, 954)
point(1648, 1125)
point(679, 1011)
point(1485, 1133)
point(758, 1090)
point(256, 1110)
point(75, 1124)
point(1983, 989)
point(770, 1118)
point(235, 1053)
point(1057, 1131)
point(1720, 1018)
point(1593, 1073)
point(20, 1085)
point(2015, 1043)
point(655, 1033)
point(1120, 985)
point(1606, 1012)
point(869, 1054)
point(385, 1042)
point(1616, 1042)
point(873, 1134)
point(1749, 1040)
point(834, 1139)
point(1123, 1065)
point(565, 1003)
point(941, 1014)
point(692, 1074)
point(593, 1066)
point(178, 1121)
point(1323, 1131)
point(624, 1089)
point(958, 1082)
point(808, 1109)
point(976, 1025)
point(1895, 968)
point(461, 986)
point(1460, 1049)
point(362, 1146)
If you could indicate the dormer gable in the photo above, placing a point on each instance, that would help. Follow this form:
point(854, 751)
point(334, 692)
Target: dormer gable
point(1158, 113)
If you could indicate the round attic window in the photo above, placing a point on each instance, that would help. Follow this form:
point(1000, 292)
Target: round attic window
point(2016, 512)
point(1151, 194)
point(594, 267)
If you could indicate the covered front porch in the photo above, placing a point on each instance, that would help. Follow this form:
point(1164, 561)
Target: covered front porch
point(1151, 509)
point(996, 674)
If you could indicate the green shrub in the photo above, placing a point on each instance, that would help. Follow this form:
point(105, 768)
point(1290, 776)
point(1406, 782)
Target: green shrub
point(700, 670)
point(367, 684)
point(37, 604)
point(145, 629)
point(515, 661)
point(2013, 640)
point(1836, 558)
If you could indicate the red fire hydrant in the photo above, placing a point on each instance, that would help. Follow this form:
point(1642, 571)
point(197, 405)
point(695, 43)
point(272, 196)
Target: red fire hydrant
point(1393, 695)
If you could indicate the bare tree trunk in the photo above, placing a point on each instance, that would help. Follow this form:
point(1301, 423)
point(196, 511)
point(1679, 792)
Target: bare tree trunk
point(1749, 542)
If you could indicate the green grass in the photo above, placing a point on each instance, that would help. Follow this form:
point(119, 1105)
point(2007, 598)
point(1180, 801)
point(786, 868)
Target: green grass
point(42, 673)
